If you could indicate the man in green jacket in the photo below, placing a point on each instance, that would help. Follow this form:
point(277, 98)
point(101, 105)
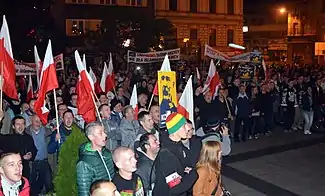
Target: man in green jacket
point(95, 162)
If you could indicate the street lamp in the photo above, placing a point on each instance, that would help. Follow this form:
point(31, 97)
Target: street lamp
point(282, 10)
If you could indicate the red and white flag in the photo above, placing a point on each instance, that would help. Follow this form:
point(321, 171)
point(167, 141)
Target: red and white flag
point(164, 67)
point(48, 82)
point(186, 103)
point(213, 80)
point(103, 78)
point(7, 61)
point(110, 80)
point(96, 82)
point(30, 93)
point(265, 70)
point(85, 89)
point(38, 63)
point(134, 102)
point(107, 82)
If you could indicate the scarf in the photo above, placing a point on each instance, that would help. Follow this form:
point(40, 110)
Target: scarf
point(9, 189)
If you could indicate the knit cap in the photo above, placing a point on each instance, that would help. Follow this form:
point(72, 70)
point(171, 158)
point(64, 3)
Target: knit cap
point(174, 122)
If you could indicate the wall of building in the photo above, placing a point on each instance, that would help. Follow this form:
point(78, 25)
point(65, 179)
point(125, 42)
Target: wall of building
point(204, 21)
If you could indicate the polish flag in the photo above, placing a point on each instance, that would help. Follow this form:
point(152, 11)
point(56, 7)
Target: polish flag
point(213, 80)
point(48, 82)
point(85, 89)
point(38, 63)
point(96, 82)
point(186, 103)
point(110, 79)
point(7, 61)
point(265, 70)
point(103, 78)
point(164, 67)
point(30, 93)
point(134, 102)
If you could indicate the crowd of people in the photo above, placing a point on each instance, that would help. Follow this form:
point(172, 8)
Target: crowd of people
point(135, 156)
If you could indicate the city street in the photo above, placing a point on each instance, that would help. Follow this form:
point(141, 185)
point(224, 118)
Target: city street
point(280, 165)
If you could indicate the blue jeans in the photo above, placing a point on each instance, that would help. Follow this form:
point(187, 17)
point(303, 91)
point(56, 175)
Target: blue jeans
point(41, 176)
point(309, 117)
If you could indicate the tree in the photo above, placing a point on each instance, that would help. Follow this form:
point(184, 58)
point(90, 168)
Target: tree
point(113, 35)
point(31, 23)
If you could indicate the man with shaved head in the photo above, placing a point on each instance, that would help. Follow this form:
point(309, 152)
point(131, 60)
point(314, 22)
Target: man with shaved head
point(41, 174)
point(103, 188)
point(126, 180)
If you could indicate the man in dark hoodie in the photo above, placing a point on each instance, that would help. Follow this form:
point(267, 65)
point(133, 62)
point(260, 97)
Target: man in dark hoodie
point(174, 176)
point(147, 153)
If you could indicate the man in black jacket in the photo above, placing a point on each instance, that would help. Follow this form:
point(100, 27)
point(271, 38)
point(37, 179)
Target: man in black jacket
point(147, 152)
point(174, 176)
point(21, 142)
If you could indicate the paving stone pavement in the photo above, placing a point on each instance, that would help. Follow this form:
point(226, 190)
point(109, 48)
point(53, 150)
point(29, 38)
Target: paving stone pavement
point(284, 164)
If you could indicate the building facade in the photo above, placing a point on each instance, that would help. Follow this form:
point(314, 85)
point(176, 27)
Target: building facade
point(199, 22)
point(266, 30)
point(76, 17)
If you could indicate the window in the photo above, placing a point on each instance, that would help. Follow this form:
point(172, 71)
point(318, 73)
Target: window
point(212, 6)
point(230, 36)
point(132, 2)
point(213, 37)
point(230, 7)
point(295, 28)
point(77, 27)
point(110, 2)
point(173, 5)
point(193, 34)
point(193, 5)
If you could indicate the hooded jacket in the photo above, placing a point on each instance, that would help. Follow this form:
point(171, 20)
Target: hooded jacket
point(145, 169)
point(91, 167)
point(171, 180)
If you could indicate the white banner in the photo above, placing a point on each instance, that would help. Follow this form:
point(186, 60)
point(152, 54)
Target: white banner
point(241, 58)
point(151, 57)
point(23, 69)
point(216, 54)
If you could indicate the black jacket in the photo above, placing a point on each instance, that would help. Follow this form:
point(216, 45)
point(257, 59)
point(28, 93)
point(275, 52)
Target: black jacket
point(146, 170)
point(171, 162)
point(22, 143)
point(195, 149)
point(307, 102)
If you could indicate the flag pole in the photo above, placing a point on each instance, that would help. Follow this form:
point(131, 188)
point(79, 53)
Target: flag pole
point(96, 108)
point(1, 87)
point(56, 114)
point(229, 112)
point(151, 99)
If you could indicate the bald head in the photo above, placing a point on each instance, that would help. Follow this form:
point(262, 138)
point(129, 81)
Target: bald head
point(103, 188)
point(119, 153)
point(124, 159)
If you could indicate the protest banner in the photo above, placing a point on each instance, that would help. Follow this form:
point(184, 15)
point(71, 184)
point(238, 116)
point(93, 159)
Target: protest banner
point(152, 57)
point(24, 69)
point(167, 95)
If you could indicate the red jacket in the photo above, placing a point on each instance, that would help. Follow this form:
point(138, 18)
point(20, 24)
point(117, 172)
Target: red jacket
point(24, 189)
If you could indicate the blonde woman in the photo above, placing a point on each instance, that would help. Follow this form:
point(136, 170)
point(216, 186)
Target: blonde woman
point(208, 169)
